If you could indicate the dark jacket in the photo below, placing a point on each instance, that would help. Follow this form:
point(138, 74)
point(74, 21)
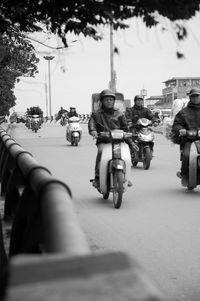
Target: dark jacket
point(187, 118)
point(135, 113)
point(114, 120)
point(72, 114)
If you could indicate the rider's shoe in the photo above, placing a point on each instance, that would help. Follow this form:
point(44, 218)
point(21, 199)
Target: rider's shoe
point(179, 175)
point(95, 183)
point(130, 183)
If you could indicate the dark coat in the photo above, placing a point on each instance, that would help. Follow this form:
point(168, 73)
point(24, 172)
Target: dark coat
point(135, 113)
point(187, 118)
point(72, 114)
point(115, 120)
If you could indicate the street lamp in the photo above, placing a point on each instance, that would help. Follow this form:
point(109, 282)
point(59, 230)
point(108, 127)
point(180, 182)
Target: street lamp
point(49, 58)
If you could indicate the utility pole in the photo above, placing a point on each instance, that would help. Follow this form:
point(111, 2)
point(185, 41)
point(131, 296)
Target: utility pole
point(112, 71)
point(49, 58)
point(45, 87)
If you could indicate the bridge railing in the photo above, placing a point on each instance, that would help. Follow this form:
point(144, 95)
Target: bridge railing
point(39, 205)
point(2, 119)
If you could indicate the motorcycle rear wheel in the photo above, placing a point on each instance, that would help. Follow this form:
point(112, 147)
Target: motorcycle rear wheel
point(118, 180)
point(147, 158)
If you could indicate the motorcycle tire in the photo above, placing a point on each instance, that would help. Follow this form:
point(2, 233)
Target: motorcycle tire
point(147, 158)
point(106, 195)
point(75, 141)
point(118, 189)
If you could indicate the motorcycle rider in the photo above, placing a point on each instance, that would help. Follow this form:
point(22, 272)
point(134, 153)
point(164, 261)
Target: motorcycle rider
point(60, 113)
point(186, 119)
point(72, 112)
point(105, 119)
point(134, 114)
point(139, 111)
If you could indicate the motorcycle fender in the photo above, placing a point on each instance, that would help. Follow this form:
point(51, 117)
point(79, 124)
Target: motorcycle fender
point(192, 179)
point(126, 157)
point(75, 134)
point(117, 164)
point(103, 167)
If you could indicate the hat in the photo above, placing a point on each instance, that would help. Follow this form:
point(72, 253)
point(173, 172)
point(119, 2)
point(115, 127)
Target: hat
point(138, 97)
point(194, 91)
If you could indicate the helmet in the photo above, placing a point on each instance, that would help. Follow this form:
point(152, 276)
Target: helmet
point(194, 91)
point(106, 92)
point(72, 107)
point(138, 97)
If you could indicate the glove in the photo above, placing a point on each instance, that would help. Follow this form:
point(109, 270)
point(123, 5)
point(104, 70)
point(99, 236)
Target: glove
point(94, 134)
point(182, 132)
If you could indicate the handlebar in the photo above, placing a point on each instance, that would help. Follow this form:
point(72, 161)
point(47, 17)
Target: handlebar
point(115, 135)
point(191, 134)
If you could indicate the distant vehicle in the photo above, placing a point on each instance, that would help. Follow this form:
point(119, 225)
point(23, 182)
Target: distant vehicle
point(20, 116)
point(151, 107)
point(13, 117)
point(120, 102)
point(166, 112)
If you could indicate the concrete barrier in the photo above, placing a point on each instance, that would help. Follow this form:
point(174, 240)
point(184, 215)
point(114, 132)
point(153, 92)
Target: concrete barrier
point(100, 277)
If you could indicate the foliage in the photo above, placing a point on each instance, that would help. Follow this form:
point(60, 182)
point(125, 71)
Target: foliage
point(19, 60)
point(34, 111)
point(20, 55)
point(77, 16)
point(83, 16)
point(7, 98)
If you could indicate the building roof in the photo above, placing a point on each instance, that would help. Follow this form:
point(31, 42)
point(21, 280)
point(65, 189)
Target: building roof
point(154, 97)
point(186, 77)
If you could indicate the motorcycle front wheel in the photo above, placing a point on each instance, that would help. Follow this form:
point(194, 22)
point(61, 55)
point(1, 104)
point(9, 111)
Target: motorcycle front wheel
point(134, 163)
point(147, 158)
point(118, 180)
point(106, 195)
point(75, 141)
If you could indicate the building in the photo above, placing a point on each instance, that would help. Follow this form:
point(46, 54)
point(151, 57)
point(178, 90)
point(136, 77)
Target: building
point(178, 87)
point(152, 101)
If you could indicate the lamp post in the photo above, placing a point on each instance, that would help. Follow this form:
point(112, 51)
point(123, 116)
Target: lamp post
point(49, 58)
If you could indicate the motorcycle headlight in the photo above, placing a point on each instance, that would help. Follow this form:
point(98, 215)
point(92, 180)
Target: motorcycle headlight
point(117, 135)
point(192, 133)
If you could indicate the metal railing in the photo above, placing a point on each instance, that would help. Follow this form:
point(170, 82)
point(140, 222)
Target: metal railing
point(2, 119)
point(39, 205)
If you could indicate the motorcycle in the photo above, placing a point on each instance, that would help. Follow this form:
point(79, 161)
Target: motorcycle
point(73, 130)
point(35, 123)
point(190, 158)
point(115, 165)
point(63, 119)
point(144, 140)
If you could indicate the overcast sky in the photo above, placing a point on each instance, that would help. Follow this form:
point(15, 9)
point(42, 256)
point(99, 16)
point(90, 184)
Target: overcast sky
point(147, 58)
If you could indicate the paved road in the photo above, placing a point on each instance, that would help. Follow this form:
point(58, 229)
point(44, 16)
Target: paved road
point(158, 223)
